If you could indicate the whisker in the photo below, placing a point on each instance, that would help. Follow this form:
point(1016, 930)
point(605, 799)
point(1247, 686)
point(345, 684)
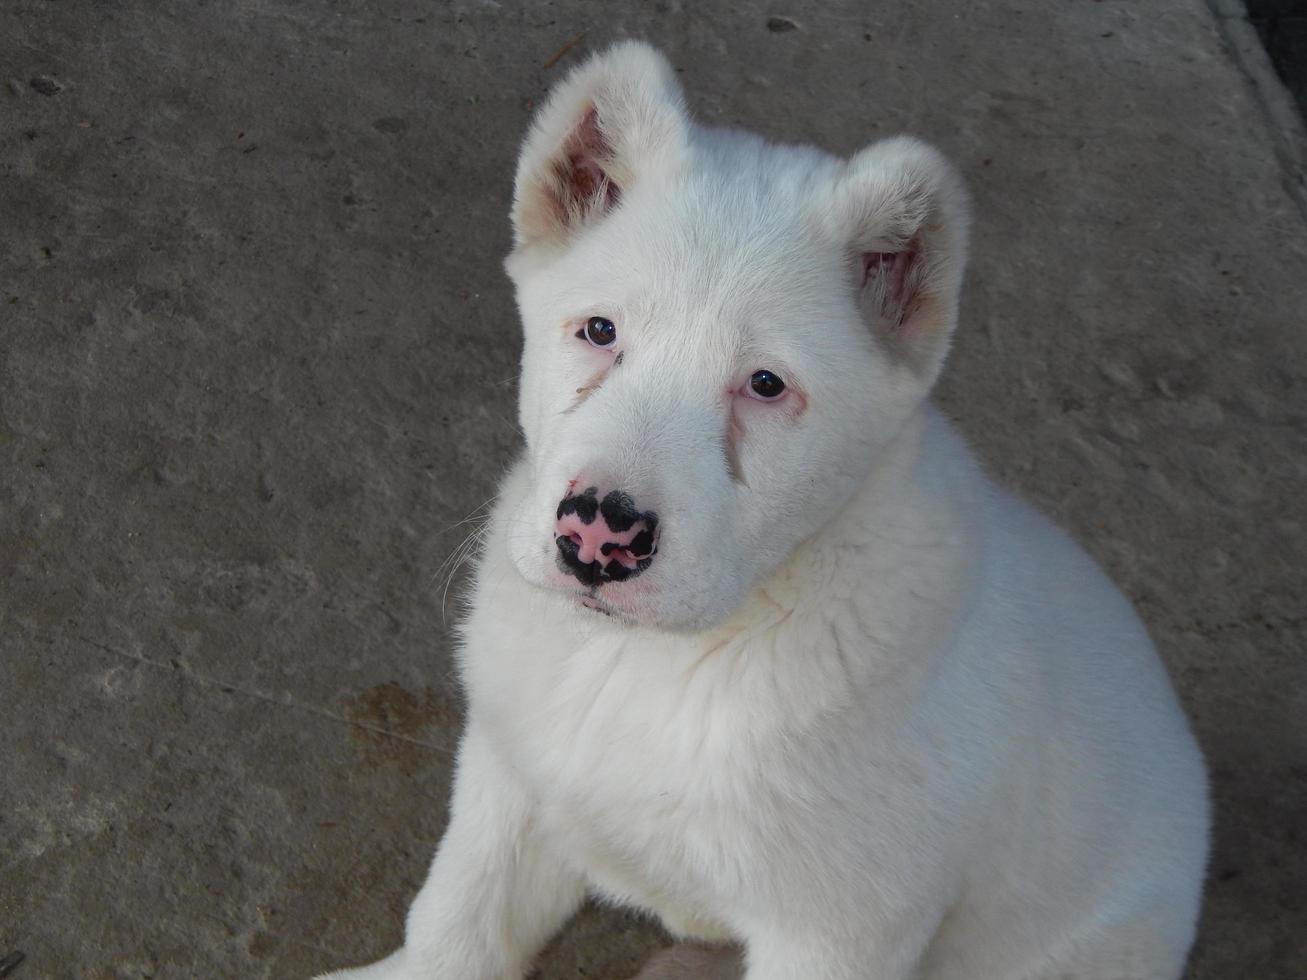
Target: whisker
point(465, 551)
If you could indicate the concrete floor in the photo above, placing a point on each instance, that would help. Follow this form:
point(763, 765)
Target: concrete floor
point(258, 363)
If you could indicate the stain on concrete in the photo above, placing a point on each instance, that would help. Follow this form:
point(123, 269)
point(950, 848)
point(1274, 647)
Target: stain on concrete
point(389, 722)
point(262, 945)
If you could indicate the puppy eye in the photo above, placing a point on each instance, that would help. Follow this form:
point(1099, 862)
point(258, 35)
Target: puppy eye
point(766, 385)
point(599, 331)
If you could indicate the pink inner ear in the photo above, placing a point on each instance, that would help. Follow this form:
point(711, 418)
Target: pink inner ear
point(889, 267)
point(584, 177)
point(586, 180)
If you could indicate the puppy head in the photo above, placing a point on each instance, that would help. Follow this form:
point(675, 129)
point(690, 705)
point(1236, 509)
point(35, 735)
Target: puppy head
point(720, 335)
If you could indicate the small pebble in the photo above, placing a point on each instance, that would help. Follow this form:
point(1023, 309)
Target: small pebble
point(46, 86)
point(781, 25)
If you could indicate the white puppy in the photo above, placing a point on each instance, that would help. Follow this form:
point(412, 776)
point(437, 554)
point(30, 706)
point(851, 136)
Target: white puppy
point(754, 644)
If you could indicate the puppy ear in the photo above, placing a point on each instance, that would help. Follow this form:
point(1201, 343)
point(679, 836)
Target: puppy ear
point(903, 211)
point(612, 122)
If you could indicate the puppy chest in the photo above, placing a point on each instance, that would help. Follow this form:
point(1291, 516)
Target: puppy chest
point(654, 831)
point(650, 853)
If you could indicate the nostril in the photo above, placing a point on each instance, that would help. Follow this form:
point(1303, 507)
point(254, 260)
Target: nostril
point(642, 544)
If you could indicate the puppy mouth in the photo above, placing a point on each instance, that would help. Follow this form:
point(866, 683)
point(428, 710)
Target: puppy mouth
point(592, 601)
point(591, 598)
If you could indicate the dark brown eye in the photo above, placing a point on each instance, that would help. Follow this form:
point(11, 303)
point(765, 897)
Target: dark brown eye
point(600, 332)
point(766, 385)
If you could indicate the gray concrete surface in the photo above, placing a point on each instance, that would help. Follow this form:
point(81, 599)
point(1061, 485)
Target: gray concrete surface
point(258, 363)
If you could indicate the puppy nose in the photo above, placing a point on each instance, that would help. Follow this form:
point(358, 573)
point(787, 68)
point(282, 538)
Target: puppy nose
point(604, 539)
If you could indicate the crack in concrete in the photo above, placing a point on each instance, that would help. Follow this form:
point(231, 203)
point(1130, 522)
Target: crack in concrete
point(182, 670)
point(1281, 112)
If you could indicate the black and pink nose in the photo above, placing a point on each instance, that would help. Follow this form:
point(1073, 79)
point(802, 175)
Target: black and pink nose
point(604, 539)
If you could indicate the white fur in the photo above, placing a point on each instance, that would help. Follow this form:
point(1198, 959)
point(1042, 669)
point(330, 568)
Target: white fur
point(865, 714)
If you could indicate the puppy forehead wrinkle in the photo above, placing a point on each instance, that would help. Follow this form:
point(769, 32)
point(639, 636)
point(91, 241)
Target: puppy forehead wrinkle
point(718, 284)
point(754, 165)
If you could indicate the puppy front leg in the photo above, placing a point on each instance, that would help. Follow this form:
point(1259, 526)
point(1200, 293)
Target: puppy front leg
point(495, 892)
